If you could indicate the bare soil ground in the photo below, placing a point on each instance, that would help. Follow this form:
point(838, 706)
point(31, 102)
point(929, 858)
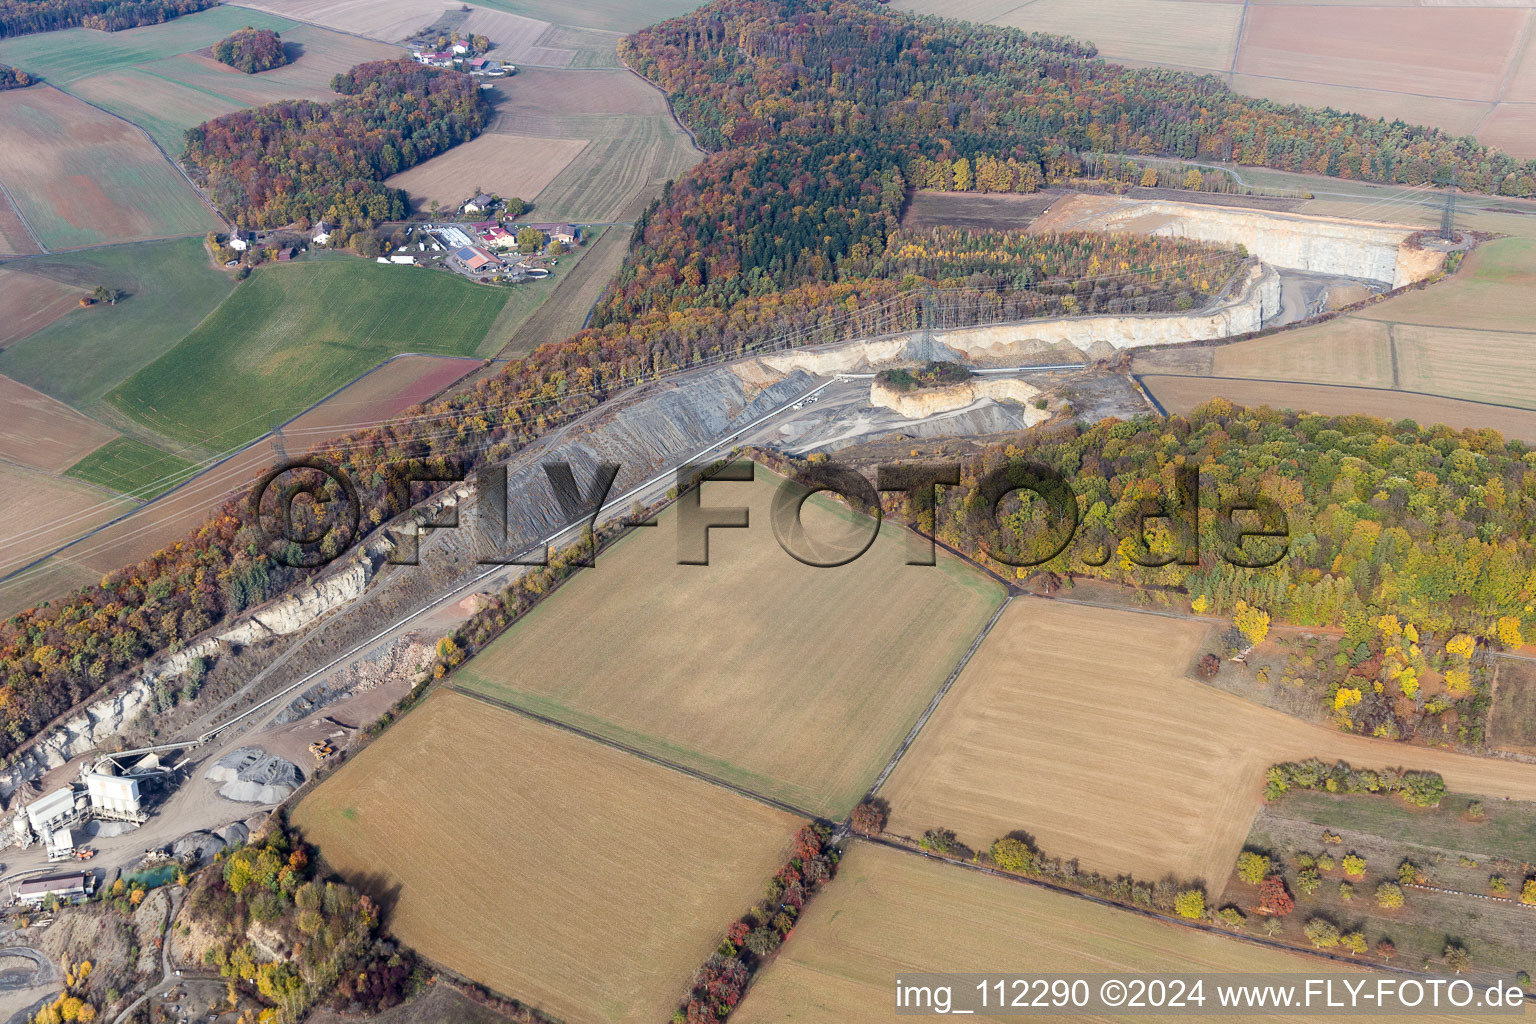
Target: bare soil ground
point(1080, 726)
point(557, 871)
point(786, 679)
point(44, 433)
point(101, 181)
point(890, 912)
point(1188, 34)
point(996, 212)
point(1343, 351)
point(14, 238)
point(388, 20)
point(32, 302)
point(507, 165)
point(397, 385)
point(1512, 722)
point(1181, 394)
point(41, 511)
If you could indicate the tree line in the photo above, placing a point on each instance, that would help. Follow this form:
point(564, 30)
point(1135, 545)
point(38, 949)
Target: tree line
point(301, 159)
point(14, 78)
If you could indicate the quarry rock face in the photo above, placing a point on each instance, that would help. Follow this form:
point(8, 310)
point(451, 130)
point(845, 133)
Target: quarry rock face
point(920, 404)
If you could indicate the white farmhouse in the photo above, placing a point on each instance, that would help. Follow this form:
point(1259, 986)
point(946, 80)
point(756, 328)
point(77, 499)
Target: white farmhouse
point(322, 234)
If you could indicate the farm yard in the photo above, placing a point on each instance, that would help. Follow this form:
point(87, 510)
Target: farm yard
point(390, 389)
point(1463, 67)
point(831, 696)
point(101, 181)
point(890, 912)
point(290, 335)
point(506, 165)
point(589, 883)
point(1132, 765)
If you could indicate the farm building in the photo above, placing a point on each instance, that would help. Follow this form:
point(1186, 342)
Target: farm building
point(65, 888)
point(455, 238)
point(322, 233)
point(403, 259)
point(284, 255)
point(475, 258)
point(481, 203)
point(565, 234)
point(240, 240)
point(498, 237)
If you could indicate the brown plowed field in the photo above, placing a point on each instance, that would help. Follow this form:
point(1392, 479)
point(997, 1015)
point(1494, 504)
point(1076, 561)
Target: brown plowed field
point(1080, 726)
point(14, 238)
point(578, 879)
point(43, 432)
point(32, 302)
point(395, 386)
point(506, 165)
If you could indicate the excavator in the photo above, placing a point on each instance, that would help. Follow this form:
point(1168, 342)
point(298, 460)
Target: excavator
point(322, 749)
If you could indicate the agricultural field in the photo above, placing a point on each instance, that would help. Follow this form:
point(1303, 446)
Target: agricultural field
point(1133, 766)
point(290, 335)
point(830, 695)
point(557, 306)
point(32, 302)
point(616, 16)
point(101, 181)
point(382, 393)
point(169, 288)
point(1463, 67)
point(586, 882)
point(133, 468)
point(386, 20)
point(505, 165)
point(41, 510)
point(976, 210)
point(890, 912)
point(1341, 351)
point(1459, 845)
point(44, 433)
point(633, 145)
point(1512, 722)
point(15, 239)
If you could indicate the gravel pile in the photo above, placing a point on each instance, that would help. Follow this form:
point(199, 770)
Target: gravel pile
point(251, 775)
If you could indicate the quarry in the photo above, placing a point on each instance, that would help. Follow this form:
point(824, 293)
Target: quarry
point(800, 401)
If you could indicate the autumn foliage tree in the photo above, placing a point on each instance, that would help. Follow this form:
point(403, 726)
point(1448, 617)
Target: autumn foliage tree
point(1273, 897)
point(251, 50)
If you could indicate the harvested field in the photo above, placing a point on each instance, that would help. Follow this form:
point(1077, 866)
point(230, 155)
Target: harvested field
point(1342, 351)
point(889, 912)
point(635, 145)
point(32, 302)
point(578, 879)
point(15, 239)
point(1181, 394)
point(1458, 116)
point(291, 334)
point(1188, 34)
point(1512, 722)
point(40, 511)
point(1494, 290)
point(387, 20)
point(1486, 366)
point(1512, 128)
point(621, 16)
point(1131, 765)
point(809, 685)
point(44, 433)
point(516, 39)
point(165, 109)
point(169, 287)
point(392, 388)
point(507, 165)
point(101, 181)
point(974, 210)
point(1457, 53)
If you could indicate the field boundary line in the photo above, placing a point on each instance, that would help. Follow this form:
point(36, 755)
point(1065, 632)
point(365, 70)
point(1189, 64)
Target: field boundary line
point(1436, 327)
point(1516, 56)
point(933, 705)
point(1392, 353)
point(625, 748)
point(22, 218)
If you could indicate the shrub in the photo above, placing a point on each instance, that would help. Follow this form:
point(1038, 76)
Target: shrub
point(1209, 666)
point(1273, 899)
point(1323, 933)
point(1190, 903)
point(1457, 958)
point(1012, 854)
point(1253, 867)
point(867, 819)
point(1354, 942)
point(1354, 865)
point(1389, 895)
point(940, 840)
point(1528, 891)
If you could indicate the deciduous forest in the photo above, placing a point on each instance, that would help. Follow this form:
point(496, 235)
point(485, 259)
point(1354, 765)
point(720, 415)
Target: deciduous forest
point(20, 17)
point(251, 50)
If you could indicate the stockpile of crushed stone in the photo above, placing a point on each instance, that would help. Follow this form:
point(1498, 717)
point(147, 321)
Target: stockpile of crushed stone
point(251, 775)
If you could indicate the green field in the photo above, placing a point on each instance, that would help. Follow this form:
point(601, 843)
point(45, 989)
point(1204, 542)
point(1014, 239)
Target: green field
point(131, 467)
point(170, 287)
point(1505, 828)
point(64, 56)
point(792, 681)
point(292, 334)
